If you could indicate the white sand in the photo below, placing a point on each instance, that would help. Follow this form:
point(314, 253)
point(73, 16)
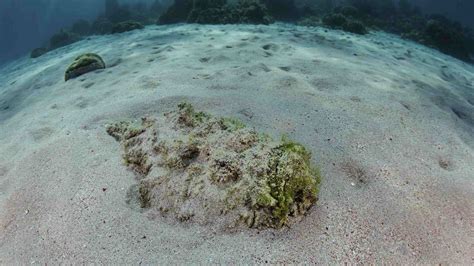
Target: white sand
point(400, 114)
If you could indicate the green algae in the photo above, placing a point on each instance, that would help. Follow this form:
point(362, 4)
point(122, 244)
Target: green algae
point(217, 170)
point(231, 124)
point(189, 117)
point(83, 64)
point(292, 184)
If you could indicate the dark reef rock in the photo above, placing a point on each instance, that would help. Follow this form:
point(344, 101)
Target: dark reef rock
point(403, 19)
point(126, 26)
point(83, 64)
point(217, 12)
point(102, 26)
point(193, 167)
point(209, 12)
point(447, 37)
point(252, 12)
point(63, 38)
point(38, 52)
point(440, 33)
point(221, 15)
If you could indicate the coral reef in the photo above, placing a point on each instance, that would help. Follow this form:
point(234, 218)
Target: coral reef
point(252, 12)
point(126, 26)
point(83, 64)
point(404, 19)
point(334, 20)
point(440, 33)
point(192, 166)
point(447, 37)
point(216, 12)
point(340, 21)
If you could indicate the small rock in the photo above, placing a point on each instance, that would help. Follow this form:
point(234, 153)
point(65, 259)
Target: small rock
point(83, 64)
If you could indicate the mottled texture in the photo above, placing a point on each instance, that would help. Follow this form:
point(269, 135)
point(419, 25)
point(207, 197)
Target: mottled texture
point(194, 167)
point(83, 64)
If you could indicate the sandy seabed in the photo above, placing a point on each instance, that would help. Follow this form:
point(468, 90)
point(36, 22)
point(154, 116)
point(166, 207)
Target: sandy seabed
point(390, 123)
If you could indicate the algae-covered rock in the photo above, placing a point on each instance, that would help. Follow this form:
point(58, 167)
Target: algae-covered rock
point(252, 12)
point(83, 64)
point(194, 167)
point(126, 26)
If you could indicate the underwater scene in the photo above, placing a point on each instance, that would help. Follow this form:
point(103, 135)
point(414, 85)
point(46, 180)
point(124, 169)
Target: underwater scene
point(207, 132)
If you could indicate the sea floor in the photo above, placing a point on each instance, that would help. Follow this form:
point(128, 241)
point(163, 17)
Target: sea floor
point(390, 123)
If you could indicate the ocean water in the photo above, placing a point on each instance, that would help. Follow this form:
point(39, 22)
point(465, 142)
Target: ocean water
point(236, 132)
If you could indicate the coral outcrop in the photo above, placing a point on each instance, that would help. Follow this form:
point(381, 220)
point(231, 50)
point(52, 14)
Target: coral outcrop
point(217, 12)
point(193, 167)
point(83, 64)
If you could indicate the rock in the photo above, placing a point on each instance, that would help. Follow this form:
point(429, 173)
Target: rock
point(216, 12)
point(38, 52)
point(62, 38)
point(356, 27)
point(126, 26)
point(83, 64)
point(340, 21)
point(194, 167)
